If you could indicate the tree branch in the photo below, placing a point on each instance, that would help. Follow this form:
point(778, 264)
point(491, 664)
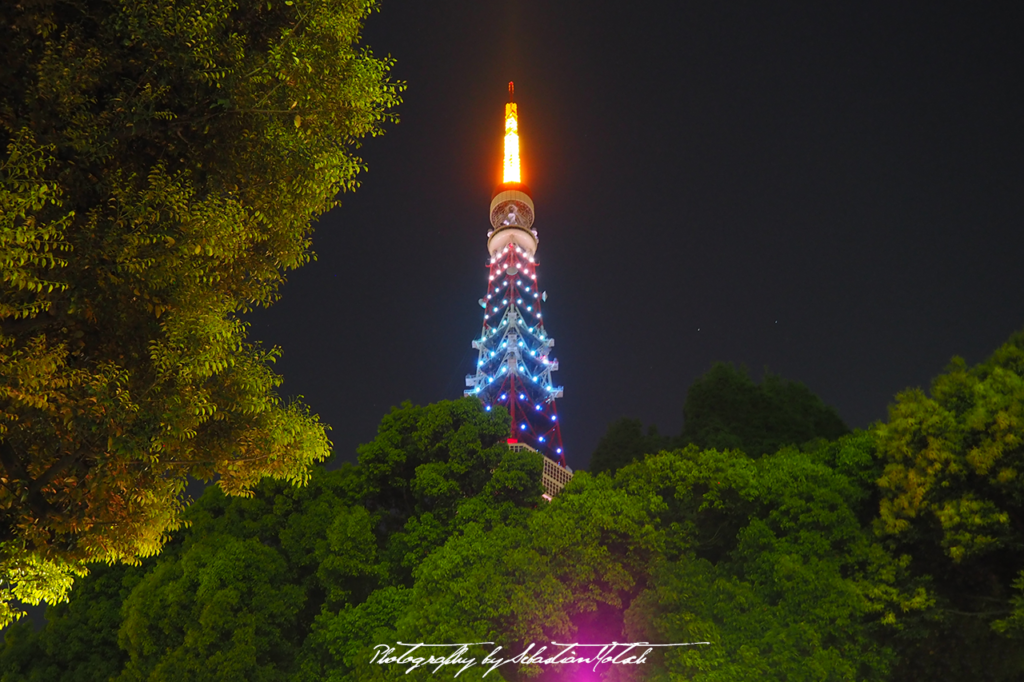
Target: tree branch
point(36, 487)
point(16, 472)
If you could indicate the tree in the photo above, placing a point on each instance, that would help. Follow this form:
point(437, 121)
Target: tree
point(439, 534)
point(163, 162)
point(431, 474)
point(625, 442)
point(952, 503)
point(79, 641)
point(565, 571)
point(292, 582)
point(767, 560)
point(724, 409)
point(234, 597)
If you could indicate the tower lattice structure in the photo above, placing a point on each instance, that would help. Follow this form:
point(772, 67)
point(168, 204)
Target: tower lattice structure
point(514, 364)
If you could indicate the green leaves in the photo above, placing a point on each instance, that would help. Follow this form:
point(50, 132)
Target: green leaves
point(724, 409)
point(951, 503)
point(439, 535)
point(153, 190)
point(953, 459)
point(217, 612)
point(32, 228)
point(31, 580)
point(889, 554)
point(782, 595)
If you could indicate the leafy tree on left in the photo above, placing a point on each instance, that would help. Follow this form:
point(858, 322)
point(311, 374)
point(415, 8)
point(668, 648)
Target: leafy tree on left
point(163, 162)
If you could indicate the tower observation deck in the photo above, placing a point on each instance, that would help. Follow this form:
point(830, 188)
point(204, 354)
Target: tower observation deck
point(514, 364)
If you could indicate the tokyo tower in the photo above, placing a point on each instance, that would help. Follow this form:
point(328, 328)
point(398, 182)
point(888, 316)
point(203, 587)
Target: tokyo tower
point(514, 365)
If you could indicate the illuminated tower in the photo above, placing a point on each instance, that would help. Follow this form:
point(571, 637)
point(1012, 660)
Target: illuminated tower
point(515, 364)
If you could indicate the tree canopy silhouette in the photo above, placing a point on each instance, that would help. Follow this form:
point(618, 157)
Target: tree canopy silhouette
point(725, 409)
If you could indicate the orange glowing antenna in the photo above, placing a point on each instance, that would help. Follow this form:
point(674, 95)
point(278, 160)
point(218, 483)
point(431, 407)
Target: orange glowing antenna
point(510, 168)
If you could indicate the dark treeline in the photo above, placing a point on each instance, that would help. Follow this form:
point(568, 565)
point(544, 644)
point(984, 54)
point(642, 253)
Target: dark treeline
point(725, 410)
point(799, 549)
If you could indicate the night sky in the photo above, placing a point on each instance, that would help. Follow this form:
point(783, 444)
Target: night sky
point(832, 193)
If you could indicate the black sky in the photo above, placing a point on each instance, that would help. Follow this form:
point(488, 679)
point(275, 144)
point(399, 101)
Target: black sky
point(832, 192)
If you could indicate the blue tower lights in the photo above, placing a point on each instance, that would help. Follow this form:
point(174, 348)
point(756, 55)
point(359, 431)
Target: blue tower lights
point(514, 364)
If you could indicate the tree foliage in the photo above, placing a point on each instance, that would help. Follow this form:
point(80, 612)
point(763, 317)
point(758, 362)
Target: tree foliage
point(838, 560)
point(767, 560)
point(79, 643)
point(953, 503)
point(431, 474)
point(163, 162)
point(297, 583)
point(625, 442)
point(724, 409)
